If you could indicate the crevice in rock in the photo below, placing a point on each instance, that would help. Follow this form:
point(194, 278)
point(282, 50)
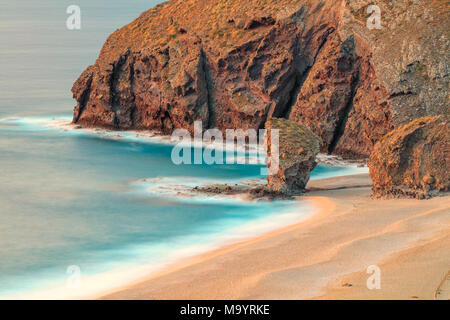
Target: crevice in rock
point(401, 93)
point(293, 95)
point(300, 78)
point(209, 90)
point(259, 22)
point(166, 119)
point(84, 98)
point(326, 36)
point(113, 87)
point(133, 96)
point(343, 116)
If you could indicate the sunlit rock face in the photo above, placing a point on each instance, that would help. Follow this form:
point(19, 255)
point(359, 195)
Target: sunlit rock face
point(235, 64)
point(413, 160)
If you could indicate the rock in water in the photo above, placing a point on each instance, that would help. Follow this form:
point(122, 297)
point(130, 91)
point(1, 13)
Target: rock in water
point(413, 160)
point(298, 148)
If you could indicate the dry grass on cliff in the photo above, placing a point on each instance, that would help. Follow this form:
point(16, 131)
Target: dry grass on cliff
point(216, 20)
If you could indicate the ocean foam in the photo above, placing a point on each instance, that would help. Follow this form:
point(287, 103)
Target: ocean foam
point(242, 154)
point(249, 153)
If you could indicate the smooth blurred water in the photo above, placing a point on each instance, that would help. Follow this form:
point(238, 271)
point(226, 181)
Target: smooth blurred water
point(67, 198)
point(70, 198)
point(40, 58)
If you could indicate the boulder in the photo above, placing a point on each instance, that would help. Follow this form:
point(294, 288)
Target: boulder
point(413, 160)
point(298, 147)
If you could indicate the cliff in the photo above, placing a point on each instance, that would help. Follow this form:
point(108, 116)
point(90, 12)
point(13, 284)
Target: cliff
point(235, 64)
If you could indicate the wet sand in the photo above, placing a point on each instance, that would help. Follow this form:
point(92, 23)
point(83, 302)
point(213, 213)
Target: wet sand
point(326, 256)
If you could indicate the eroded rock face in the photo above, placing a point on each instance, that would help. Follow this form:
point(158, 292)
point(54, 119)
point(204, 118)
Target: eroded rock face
point(413, 160)
point(298, 148)
point(235, 64)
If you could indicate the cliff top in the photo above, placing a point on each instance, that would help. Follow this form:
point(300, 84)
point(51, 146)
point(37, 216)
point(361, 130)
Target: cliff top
point(224, 21)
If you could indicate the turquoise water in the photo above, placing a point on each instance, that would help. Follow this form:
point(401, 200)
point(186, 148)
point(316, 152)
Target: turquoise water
point(71, 198)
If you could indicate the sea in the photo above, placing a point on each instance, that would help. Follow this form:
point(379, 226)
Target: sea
point(85, 212)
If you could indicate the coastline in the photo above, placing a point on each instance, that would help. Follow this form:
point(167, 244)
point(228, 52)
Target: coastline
point(64, 124)
point(132, 273)
point(323, 257)
point(160, 150)
point(321, 204)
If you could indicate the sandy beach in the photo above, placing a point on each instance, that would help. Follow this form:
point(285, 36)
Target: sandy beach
point(326, 256)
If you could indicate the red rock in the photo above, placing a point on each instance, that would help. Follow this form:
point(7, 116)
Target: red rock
point(413, 160)
point(298, 147)
point(234, 64)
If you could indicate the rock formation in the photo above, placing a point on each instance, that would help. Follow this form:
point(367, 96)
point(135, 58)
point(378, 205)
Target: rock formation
point(413, 160)
point(298, 147)
point(234, 64)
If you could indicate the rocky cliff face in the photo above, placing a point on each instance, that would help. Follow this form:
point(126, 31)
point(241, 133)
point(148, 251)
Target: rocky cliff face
point(413, 160)
point(235, 64)
point(298, 147)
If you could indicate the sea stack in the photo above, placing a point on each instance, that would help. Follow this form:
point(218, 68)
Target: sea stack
point(298, 148)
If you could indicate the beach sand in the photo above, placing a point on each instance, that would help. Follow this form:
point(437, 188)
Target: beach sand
point(326, 256)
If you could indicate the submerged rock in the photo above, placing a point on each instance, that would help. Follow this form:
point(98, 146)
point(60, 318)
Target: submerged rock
point(298, 148)
point(413, 160)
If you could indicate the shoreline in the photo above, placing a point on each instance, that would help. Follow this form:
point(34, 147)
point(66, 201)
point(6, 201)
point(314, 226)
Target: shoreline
point(64, 124)
point(117, 278)
point(323, 269)
point(318, 202)
point(318, 257)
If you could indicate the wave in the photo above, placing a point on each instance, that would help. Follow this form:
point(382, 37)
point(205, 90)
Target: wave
point(149, 259)
point(248, 154)
point(146, 259)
